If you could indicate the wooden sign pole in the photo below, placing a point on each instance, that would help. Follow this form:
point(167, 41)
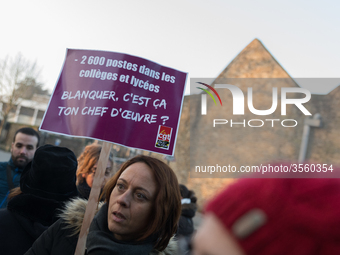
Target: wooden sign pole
point(93, 199)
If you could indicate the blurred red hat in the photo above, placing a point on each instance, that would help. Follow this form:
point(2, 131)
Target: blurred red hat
point(281, 216)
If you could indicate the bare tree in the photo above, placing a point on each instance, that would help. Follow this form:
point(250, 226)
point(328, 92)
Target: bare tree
point(18, 78)
point(31, 86)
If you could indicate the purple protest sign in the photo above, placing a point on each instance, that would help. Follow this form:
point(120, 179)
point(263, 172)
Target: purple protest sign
point(117, 98)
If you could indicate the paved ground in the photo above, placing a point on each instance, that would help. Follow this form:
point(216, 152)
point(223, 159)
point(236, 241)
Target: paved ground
point(4, 155)
point(197, 220)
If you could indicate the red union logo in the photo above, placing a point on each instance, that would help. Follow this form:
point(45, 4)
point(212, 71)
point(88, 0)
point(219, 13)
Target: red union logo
point(163, 137)
point(238, 100)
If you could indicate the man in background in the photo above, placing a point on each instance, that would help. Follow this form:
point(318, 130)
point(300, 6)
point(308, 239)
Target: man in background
point(25, 142)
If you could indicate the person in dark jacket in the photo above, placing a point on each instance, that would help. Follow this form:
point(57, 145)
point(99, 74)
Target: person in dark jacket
point(140, 215)
point(46, 183)
point(25, 142)
point(186, 224)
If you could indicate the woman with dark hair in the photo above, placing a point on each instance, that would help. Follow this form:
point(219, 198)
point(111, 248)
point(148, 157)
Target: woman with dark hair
point(139, 216)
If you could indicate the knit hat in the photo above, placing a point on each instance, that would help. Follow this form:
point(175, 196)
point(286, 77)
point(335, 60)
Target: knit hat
point(281, 216)
point(51, 174)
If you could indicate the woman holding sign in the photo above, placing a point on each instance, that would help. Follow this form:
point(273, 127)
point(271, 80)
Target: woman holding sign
point(139, 216)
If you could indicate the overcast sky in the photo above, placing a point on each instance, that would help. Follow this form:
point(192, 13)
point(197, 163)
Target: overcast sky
point(198, 37)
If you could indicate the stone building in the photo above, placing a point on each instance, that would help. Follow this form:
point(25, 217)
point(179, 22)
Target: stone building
point(243, 144)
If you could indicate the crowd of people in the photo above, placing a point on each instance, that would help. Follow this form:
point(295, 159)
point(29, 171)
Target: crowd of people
point(44, 192)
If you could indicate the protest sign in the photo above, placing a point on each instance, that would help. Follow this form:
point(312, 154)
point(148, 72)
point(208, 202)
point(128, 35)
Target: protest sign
point(117, 98)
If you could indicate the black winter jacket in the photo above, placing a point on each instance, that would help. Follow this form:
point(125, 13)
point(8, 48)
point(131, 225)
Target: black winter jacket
point(24, 220)
point(186, 224)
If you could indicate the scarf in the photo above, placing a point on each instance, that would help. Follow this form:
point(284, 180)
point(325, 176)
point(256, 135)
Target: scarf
point(100, 239)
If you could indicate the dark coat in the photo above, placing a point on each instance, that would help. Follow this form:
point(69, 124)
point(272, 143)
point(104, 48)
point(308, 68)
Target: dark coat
point(62, 237)
point(23, 221)
point(56, 240)
point(15, 177)
point(186, 224)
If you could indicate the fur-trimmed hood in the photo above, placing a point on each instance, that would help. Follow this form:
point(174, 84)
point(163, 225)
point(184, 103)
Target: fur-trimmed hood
point(73, 216)
point(189, 210)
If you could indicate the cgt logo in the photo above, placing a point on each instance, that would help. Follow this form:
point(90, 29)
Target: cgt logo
point(238, 99)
